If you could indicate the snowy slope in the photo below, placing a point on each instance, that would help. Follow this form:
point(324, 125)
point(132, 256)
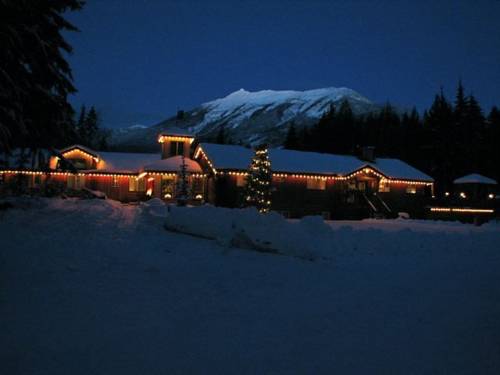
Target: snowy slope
point(251, 116)
point(97, 287)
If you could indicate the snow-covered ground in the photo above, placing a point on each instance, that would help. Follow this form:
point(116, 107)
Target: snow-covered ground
point(96, 287)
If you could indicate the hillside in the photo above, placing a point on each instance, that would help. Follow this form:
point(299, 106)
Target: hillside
point(248, 117)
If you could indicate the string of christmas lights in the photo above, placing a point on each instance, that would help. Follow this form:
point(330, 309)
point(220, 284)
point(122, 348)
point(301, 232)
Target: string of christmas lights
point(258, 181)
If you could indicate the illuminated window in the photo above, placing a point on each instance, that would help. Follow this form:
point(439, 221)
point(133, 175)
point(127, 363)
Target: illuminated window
point(241, 180)
point(168, 185)
point(136, 184)
point(316, 184)
point(197, 187)
point(411, 190)
point(384, 187)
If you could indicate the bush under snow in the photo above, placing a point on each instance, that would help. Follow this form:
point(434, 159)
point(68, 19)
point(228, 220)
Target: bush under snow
point(247, 228)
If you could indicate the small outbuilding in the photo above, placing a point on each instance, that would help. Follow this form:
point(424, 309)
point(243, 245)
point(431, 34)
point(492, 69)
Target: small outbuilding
point(475, 187)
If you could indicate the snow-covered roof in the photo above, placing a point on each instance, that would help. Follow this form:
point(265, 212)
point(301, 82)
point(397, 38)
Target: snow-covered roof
point(80, 147)
point(290, 161)
point(176, 131)
point(312, 162)
point(475, 179)
point(125, 162)
point(173, 164)
point(395, 168)
point(228, 156)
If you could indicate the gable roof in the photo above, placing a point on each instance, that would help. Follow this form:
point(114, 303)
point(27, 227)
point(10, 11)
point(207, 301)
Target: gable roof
point(398, 169)
point(228, 156)
point(173, 164)
point(291, 161)
point(80, 147)
point(125, 162)
point(475, 179)
point(312, 162)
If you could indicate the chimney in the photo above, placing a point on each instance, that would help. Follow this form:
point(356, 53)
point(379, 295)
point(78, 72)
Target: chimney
point(367, 153)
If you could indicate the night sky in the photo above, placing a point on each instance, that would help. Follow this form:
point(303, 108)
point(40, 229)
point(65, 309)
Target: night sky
point(140, 61)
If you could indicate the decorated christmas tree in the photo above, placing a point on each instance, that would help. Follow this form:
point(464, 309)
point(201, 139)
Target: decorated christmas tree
point(182, 191)
point(258, 183)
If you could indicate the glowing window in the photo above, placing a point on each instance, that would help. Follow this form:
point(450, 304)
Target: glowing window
point(384, 187)
point(241, 180)
point(316, 184)
point(411, 190)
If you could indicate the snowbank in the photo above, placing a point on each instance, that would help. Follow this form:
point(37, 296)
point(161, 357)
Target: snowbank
point(247, 228)
point(313, 238)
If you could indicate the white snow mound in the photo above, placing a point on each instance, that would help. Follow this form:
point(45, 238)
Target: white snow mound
point(247, 228)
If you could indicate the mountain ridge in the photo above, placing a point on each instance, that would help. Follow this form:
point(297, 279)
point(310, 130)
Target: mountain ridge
point(248, 117)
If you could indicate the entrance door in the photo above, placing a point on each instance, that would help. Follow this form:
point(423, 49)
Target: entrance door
point(367, 185)
point(361, 185)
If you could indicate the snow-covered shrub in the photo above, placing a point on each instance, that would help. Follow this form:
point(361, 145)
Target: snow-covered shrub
point(247, 228)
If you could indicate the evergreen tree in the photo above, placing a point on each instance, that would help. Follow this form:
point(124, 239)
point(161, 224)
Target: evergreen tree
point(79, 126)
point(492, 157)
point(411, 140)
point(318, 133)
point(81, 118)
point(305, 143)
point(103, 136)
point(88, 131)
point(388, 140)
point(258, 181)
point(221, 136)
point(342, 134)
point(36, 78)
point(460, 109)
point(291, 139)
point(473, 141)
point(182, 191)
point(439, 151)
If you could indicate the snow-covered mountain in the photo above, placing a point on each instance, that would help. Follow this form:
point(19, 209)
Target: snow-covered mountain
point(249, 117)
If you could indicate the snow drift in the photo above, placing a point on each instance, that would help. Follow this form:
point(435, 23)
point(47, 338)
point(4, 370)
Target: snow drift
point(313, 238)
point(247, 228)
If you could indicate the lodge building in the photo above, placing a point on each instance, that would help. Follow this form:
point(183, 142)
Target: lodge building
point(303, 183)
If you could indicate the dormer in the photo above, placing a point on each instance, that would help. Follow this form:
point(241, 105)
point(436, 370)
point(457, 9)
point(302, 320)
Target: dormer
point(80, 156)
point(175, 142)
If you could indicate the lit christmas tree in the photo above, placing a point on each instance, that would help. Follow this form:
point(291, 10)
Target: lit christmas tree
point(258, 187)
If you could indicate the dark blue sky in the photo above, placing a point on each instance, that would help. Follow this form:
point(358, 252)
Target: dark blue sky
point(139, 61)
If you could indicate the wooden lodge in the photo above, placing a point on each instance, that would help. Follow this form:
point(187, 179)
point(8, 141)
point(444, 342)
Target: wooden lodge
point(303, 183)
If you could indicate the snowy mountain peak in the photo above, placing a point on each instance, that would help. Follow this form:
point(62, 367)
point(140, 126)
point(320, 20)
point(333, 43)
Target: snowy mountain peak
point(253, 116)
point(264, 97)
